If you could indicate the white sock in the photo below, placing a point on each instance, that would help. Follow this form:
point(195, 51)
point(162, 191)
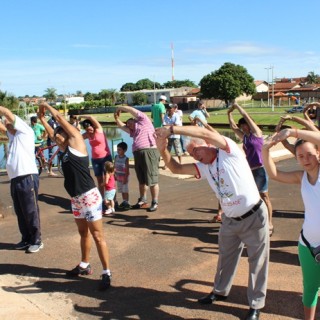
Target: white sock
point(107, 271)
point(84, 264)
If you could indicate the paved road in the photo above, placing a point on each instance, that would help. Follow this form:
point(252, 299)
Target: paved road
point(161, 262)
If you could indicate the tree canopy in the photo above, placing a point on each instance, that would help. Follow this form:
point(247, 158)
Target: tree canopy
point(179, 84)
point(312, 77)
point(139, 98)
point(227, 83)
point(50, 94)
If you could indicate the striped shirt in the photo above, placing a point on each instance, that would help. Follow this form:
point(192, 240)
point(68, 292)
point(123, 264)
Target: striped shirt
point(142, 133)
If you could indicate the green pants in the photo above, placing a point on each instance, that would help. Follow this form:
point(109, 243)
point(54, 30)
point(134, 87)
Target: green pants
point(311, 277)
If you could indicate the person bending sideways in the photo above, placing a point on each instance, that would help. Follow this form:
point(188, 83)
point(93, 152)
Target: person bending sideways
point(307, 154)
point(245, 218)
point(86, 200)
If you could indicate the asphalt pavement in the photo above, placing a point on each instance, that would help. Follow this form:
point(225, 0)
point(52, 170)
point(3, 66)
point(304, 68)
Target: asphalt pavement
point(161, 262)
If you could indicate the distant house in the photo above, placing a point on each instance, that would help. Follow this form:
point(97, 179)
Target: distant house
point(70, 100)
point(261, 86)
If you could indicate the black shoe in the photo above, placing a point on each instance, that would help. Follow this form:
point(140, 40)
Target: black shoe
point(22, 245)
point(78, 271)
point(253, 314)
point(105, 282)
point(153, 207)
point(211, 297)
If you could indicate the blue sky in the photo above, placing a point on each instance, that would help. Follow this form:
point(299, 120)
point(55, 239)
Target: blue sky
point(92, 45)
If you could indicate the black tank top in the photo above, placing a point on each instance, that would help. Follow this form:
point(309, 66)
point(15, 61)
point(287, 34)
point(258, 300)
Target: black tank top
point(77, 178)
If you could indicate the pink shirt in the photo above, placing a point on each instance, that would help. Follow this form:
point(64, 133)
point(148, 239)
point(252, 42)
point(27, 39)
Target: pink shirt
point(111, 184)
point(143, 133)
point(99, 145)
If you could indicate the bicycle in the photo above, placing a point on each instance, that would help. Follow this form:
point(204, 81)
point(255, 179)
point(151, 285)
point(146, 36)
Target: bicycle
point(42, 163)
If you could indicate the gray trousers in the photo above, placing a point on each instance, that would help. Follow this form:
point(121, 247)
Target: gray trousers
point(252, 232)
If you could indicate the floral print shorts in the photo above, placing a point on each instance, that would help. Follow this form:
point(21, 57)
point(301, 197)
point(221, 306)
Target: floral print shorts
point(88, 205)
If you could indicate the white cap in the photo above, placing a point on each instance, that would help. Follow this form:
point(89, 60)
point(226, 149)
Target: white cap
point(162, 97)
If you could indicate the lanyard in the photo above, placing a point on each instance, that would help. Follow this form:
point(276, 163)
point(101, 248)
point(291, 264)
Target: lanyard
point(217, 181)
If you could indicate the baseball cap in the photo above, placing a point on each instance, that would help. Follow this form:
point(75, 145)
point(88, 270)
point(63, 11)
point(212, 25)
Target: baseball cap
point(163, 97)
point(172, 105)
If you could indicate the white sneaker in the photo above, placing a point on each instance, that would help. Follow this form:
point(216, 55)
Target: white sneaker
point(108, 212)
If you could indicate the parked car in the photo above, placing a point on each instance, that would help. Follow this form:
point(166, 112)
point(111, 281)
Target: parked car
point(295, 109)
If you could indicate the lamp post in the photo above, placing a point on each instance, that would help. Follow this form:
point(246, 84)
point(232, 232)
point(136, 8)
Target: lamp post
point(268, 84)
point(154, 89)
point(272, 98)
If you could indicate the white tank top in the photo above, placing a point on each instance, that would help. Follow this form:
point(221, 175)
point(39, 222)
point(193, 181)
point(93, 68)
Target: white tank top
point(311, 225)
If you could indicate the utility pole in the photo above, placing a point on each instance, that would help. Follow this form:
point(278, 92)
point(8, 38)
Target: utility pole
point(172, 61)
point(272, 88)
point(268, 85)
point(154, 89)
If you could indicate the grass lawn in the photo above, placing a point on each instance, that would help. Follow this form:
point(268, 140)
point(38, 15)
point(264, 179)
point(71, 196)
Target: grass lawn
point(262, 116)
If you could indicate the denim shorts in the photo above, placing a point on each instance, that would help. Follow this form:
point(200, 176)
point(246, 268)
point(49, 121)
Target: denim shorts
point(261, 178)
point(98, 165)
point(109, 194)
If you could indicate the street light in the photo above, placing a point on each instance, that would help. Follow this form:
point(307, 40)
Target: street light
point(272, 88)
point(268, 84)
point(154, 89)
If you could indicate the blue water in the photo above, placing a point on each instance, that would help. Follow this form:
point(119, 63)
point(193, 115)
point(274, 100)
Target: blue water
point(114, 136)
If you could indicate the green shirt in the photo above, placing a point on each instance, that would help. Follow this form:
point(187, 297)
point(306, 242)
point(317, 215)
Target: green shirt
point(156, 111)
point(38, 130)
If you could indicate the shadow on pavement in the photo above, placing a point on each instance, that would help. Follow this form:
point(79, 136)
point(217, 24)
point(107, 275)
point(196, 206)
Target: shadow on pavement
point(125, 302)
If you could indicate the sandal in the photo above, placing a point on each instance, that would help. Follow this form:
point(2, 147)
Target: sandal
point(216, 219)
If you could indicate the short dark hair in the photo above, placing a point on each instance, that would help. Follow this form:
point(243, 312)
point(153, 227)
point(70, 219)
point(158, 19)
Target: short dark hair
point(122, 145)
point(34, 119)
point(57, 129)
point(242, 121)
point(86, 123)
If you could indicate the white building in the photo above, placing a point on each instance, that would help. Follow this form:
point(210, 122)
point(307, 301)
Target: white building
point(70, 100)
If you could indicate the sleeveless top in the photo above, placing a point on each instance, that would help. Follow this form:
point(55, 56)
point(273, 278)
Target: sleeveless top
point(111, 184)
point(77, 177)
point(99, 145)
point(120, 167)
point(311, 195)
point(252, 147)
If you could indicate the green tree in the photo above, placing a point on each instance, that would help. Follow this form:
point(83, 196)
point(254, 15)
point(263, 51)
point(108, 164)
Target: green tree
point(312, 77)
point(9, 101)
point(121, 98)
point(227, 83)
point(51, 94)
point(145, 84)
point(110, 94)
point(179, 84)
point(139, 98)
point(88, 96)
point(3, 94)
point(129, 86)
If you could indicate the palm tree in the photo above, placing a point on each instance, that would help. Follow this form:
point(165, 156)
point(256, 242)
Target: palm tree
point(312, 77)
point(51, 94)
